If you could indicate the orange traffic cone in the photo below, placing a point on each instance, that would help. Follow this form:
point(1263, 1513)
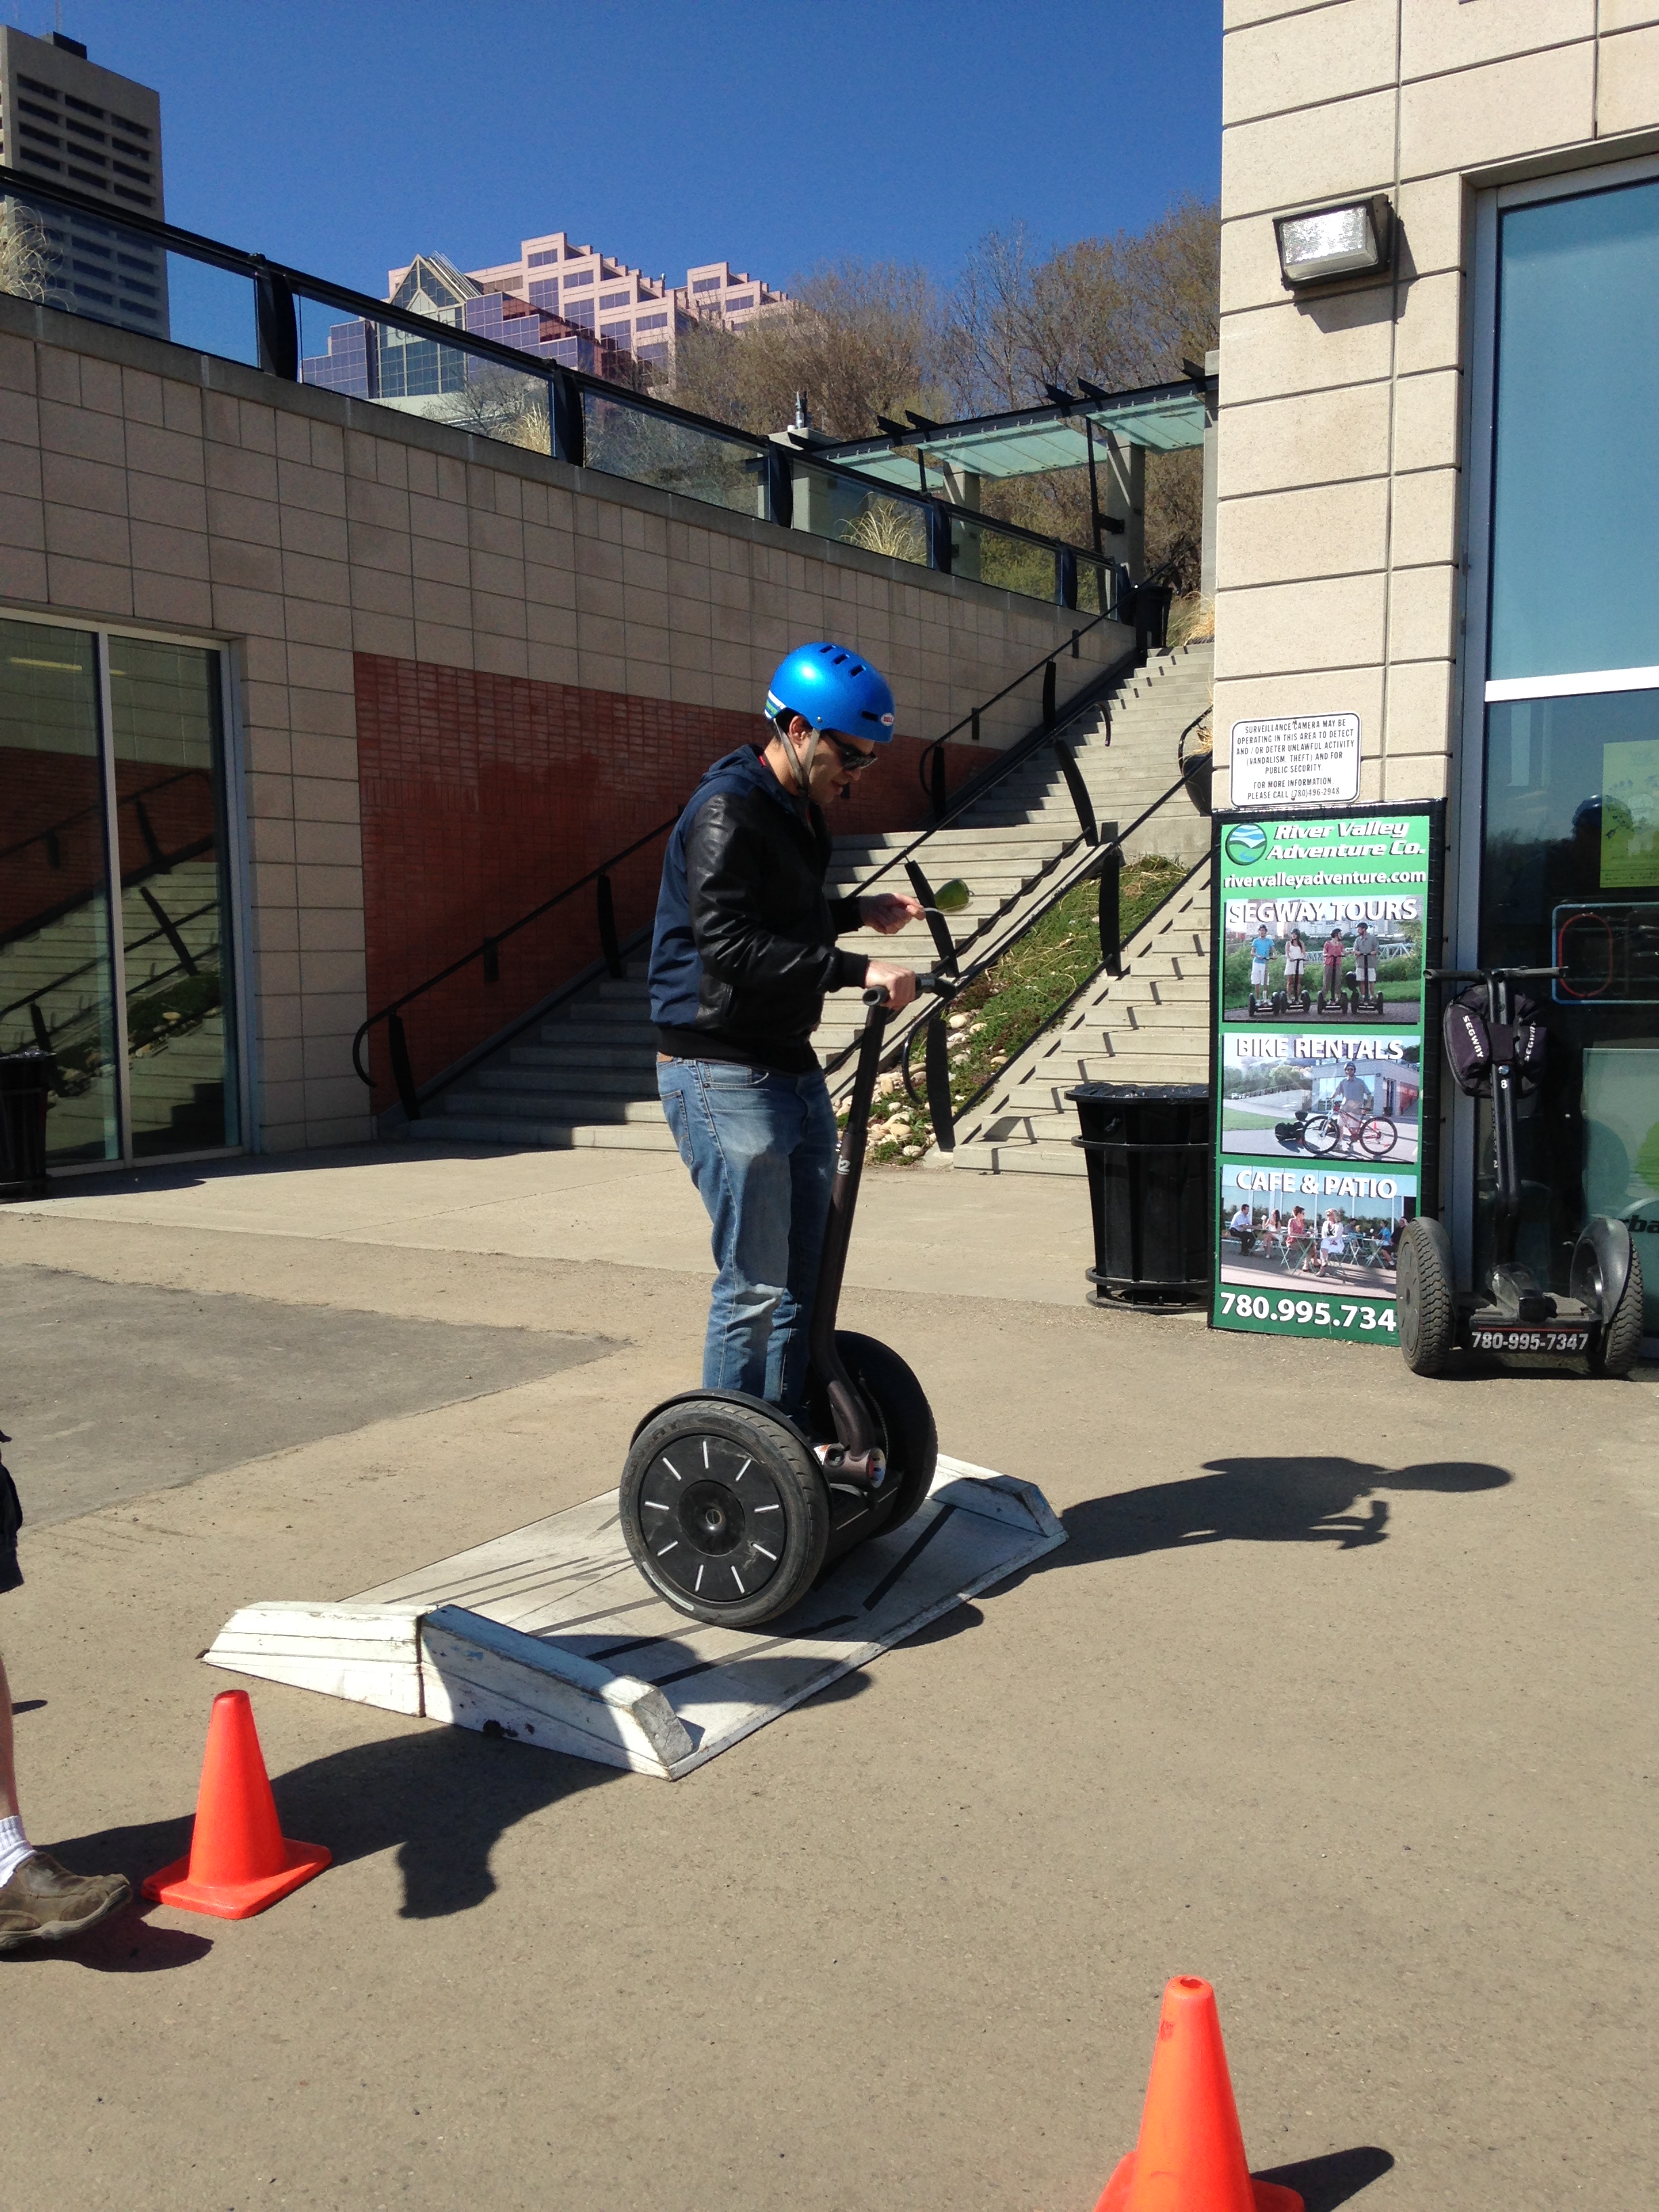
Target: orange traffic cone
point(239, 1860)
point(1190, 2156)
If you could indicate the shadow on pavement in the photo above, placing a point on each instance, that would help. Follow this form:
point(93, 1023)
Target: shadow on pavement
point(441, 1798)
point(1259, 1501)
point(1324, 2183)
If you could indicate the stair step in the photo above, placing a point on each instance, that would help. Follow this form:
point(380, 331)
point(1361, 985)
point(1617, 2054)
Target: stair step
point(639, 1060)
point(562, 1107)
point(542, 1136)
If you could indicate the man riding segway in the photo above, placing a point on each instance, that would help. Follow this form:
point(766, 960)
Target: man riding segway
point(744, 952)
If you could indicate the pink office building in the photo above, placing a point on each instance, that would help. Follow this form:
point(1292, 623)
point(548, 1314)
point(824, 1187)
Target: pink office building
point(640, 314)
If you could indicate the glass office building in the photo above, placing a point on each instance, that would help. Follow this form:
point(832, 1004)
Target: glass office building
point(378, 360)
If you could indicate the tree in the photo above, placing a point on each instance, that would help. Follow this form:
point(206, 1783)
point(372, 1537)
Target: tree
point(1124, 311)
point(27, 262)
point(861, 340)
point(869, 338)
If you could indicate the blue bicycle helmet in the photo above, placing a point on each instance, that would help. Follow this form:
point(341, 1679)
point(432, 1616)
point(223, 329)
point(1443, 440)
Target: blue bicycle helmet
point(832, 689)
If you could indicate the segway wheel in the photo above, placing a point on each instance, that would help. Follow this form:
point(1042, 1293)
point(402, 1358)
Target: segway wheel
point(724, 1511)
point(1617, 1348)
point(1425, 1297)
point(912, 1438)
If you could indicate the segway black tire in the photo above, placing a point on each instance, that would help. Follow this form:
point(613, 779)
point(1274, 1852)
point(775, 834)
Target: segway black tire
point(697, 1446)
point(1425, 1299)
point(906, 1419)
point(1619, 1346)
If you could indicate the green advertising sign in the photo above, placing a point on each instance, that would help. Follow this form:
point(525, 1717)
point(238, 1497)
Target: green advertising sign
point(1321, 926)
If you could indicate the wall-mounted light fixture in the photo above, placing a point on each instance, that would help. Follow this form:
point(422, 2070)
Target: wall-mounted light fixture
point(1354, 240)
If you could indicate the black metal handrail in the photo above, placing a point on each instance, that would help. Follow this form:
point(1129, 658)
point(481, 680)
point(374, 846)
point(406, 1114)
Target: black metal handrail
point(1016, 756)
point(489, 951)
point(278, 287)
point(1111, 962)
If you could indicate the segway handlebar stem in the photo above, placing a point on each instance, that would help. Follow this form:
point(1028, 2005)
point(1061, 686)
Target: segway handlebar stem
point(855, 1424)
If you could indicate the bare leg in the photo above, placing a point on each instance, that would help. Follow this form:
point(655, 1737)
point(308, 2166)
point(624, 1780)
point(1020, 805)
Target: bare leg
point(8, 1771)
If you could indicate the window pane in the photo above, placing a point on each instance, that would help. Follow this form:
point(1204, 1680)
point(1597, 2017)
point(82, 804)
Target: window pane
point(1572, 842)
point(1576, 474)
point(54, 987)
point(175, 909)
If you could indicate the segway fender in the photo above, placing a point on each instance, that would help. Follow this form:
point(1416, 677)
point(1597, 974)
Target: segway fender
point(1600, 1266)
point(762, 1405)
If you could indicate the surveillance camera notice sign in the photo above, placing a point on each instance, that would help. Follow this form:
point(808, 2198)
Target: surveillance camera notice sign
point(1323, 1101)
point(1297, 760)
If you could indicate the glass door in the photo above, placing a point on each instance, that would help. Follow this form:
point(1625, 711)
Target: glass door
point(1568, 860)
point(57, 991)
point(115, 891)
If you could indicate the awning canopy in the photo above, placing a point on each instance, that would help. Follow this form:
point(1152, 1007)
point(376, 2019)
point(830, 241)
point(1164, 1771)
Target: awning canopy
point(1030, 441)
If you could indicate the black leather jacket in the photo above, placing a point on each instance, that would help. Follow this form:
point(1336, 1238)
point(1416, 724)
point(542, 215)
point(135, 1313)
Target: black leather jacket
point(745, 946)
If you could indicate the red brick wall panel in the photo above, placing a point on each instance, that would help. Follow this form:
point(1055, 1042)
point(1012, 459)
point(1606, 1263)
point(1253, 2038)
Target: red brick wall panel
point(483, 795)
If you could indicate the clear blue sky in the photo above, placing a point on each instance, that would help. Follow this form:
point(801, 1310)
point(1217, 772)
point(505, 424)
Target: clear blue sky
point(344, 135)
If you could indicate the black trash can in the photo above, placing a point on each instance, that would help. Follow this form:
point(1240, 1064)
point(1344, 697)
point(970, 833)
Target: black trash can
point(27, 1080)
point(1147, 1145)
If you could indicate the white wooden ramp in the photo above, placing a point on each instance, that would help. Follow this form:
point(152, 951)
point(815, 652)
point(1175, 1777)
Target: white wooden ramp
point(551, 1635)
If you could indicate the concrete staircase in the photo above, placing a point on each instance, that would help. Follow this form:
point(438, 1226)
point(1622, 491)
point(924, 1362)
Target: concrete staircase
point(1149, 1025)
point(585, 1076)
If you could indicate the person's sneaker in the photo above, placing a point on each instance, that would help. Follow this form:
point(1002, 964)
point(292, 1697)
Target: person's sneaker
point(44, 1902)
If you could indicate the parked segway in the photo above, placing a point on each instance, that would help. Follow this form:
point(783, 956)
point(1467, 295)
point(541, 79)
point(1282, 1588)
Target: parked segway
point(1496, 1046)
point(731, 1510)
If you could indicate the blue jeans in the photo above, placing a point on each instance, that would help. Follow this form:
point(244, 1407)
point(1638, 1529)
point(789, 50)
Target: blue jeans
point(762, 1152)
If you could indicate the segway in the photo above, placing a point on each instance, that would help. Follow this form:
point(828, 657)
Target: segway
point(731, 1510)
point(1601, 1316)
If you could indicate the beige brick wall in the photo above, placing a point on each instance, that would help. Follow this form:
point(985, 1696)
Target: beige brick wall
point(1340, 465)
point(143, 484)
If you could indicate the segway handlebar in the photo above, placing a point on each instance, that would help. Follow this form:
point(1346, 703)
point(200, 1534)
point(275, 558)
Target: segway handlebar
point(942, 987)
point(1485, 974)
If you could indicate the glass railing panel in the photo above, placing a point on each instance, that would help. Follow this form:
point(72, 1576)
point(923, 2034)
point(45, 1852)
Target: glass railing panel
point(90, 265)
point(1096, 586)
point(980, 551)
point(630, 441)
point(854, 514)
point(365, 358)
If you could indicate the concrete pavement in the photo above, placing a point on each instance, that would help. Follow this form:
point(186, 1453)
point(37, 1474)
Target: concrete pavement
point(1340, 1695)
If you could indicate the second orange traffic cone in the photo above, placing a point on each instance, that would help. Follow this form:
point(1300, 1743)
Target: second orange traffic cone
point(1190, 2156)
point(239, 1860)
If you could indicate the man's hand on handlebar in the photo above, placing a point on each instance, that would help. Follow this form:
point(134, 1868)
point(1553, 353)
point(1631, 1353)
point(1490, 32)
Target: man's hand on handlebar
point(899, 983)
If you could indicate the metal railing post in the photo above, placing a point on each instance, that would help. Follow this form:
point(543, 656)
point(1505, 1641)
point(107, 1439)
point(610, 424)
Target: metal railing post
point(780, 481)
point(492, 960)
point(402, 1073)
point(1048, 709)
point(940, 550)
point(936, 1068)
point(1111, 909)
point(567, 423)
point(1066, 579)
point(1080, 791)
point(607, 917)
point(278, 325)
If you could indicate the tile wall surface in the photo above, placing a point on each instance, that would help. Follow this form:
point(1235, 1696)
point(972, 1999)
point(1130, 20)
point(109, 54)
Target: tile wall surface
point(143, 483)
point(1341, 464)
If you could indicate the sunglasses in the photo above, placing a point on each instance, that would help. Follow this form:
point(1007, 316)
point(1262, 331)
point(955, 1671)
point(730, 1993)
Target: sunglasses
point(851, 759)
